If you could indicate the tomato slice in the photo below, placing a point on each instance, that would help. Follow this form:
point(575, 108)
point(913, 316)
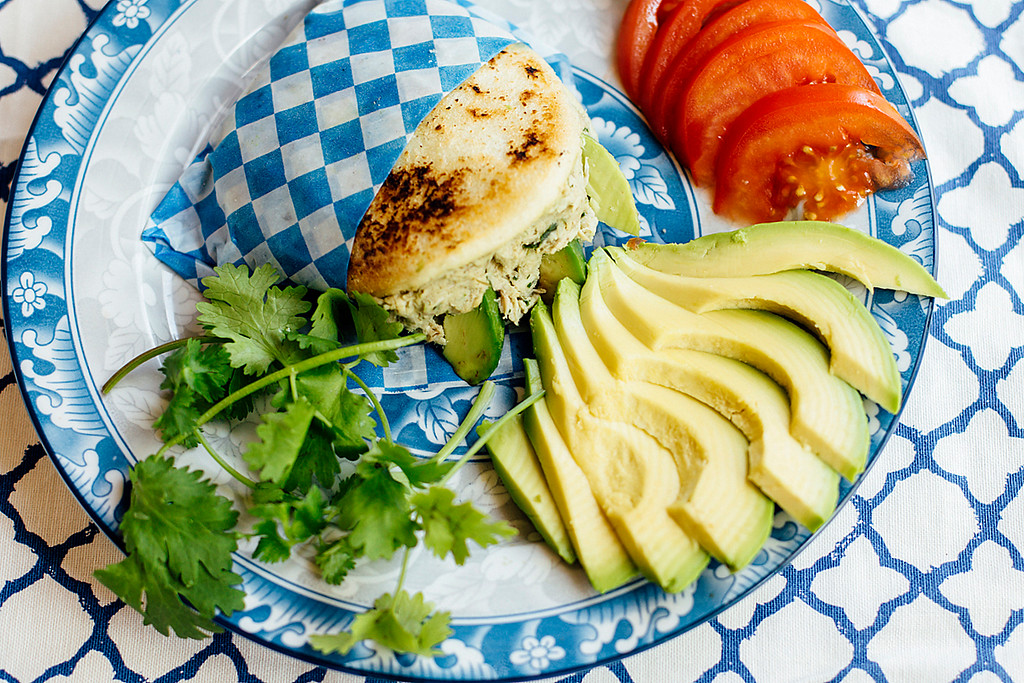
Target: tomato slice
point(636, 33)
point(666, 91)
point(755, 62)
point(825, 146)
point(674, 32)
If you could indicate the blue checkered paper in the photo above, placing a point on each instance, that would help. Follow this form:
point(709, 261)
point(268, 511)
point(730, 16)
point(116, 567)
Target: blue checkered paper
point(301, 155)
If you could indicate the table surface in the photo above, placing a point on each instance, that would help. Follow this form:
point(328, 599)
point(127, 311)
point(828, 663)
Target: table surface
point(920, 578)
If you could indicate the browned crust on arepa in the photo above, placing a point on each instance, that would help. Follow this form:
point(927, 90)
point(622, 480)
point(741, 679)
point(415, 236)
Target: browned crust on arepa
point(482, 167)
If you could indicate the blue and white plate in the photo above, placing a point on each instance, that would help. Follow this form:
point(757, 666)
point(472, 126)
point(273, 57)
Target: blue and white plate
point(83, 295)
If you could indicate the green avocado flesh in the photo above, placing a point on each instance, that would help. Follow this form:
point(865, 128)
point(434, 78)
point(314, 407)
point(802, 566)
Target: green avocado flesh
point(516, 463)
point(717, 504)
point(827, 413)
point(569, 262)
point(474, 340)
point(860, 353)
point(632, 477)
point(601, 554)
point(784, 469)
point(692, 388)
point(608, 189)
point(790, 245)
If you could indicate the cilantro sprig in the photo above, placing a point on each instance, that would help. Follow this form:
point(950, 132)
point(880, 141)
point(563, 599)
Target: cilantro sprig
point(177, 531)
point(302, 357)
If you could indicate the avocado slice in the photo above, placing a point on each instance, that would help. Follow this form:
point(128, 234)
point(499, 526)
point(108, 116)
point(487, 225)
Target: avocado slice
point(601, 554)
point(516, 463)
point(569, 261)
point(608, 189)
point(827, 413)
point(784, 469)
point(717, 504)
point(632, 481)
point(473, 340)
point(791, 245)
point(860, 353)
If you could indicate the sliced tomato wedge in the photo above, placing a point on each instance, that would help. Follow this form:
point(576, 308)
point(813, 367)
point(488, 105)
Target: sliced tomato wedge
point(755, 62)
point(636, 33)
point(719, 28)
point(674, 32)
point(823, 146)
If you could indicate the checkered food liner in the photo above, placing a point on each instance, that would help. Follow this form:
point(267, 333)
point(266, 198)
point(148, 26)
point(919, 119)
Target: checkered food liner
point(304, 150)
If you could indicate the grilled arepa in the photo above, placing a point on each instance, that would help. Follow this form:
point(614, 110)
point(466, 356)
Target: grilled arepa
point(492, 179)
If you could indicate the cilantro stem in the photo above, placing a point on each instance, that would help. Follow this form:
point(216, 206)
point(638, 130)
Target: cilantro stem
point(223, 463)
point(293, 385)
point(385, 425)
point(153, 353)
point(402, 570)
point(331, 356)
point(488, 431)
point(476, 411)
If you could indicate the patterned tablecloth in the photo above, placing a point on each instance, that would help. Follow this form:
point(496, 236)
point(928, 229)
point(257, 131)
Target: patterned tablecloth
point(920, 578)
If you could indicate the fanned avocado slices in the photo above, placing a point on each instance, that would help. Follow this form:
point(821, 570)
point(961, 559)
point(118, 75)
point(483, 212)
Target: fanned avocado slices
point(632, 481)
point(717, 504)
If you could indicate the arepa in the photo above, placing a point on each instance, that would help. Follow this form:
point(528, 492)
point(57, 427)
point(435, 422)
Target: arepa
point(492, 179)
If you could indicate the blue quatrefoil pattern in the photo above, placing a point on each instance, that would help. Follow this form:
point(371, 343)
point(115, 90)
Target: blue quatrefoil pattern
point(929, 549)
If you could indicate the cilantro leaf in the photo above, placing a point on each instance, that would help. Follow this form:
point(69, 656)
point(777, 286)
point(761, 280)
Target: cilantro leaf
point(404, 623)
point(271, 546)
point(254, 314)
point(241, 408)
point(178, 533)
point(373, 323)
point(331, 315)
point(204, 369)
point(352, 423)
point(281, 436)
point(288, 522)
point(196, 376)
point(179, 419)
point(418, 472)
point(335, 560)
point(374, 509)
point(348, 413)
point(321, 386)
point(162, 608)
point(448, 525)
point(342, 429)
point(301, 518)
point(316, 460)
point(178, 518)
point(266, 492)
